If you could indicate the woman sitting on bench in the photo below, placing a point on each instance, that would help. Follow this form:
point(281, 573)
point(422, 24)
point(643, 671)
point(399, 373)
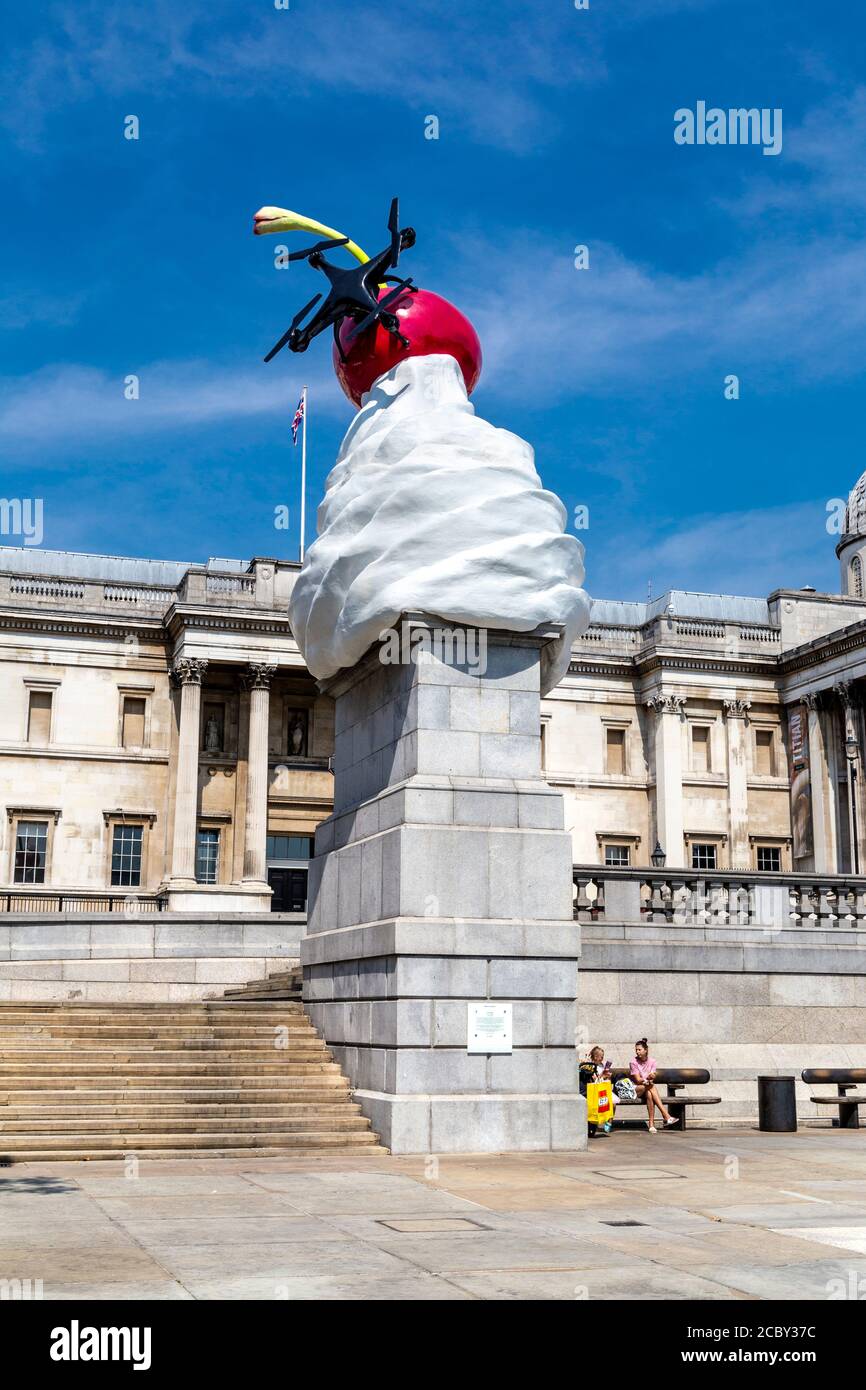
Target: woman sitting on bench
point(643, 1070)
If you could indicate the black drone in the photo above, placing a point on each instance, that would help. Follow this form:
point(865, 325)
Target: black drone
point(353, 292)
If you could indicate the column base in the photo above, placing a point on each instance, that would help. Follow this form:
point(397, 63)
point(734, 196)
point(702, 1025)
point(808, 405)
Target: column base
point(182, 896)
point(476, 1124)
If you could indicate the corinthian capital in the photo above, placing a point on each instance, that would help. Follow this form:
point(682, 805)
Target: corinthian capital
point(666, 703)
point(188, 670)
point(848, 694)
point(258, 676)
point(737, 709)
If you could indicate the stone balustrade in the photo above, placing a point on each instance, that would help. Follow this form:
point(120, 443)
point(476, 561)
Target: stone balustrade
point(40, 901)
point(700, 898)
point(265, 584)
point(668, 629)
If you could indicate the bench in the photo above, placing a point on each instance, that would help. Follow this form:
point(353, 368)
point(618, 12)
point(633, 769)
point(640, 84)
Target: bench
point(675, 1079)
point(845, 1079)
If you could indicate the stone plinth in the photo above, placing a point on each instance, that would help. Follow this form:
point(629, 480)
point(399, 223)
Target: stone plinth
point(444, 877)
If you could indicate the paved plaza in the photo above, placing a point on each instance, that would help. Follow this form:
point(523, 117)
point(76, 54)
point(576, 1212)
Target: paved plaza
point(711, 1214)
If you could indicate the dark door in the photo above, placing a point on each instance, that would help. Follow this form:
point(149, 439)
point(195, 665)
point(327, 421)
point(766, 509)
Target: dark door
point(290, 890)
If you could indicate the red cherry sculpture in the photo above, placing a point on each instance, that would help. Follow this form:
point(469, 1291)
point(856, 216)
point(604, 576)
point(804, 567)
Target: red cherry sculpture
point(430, 323)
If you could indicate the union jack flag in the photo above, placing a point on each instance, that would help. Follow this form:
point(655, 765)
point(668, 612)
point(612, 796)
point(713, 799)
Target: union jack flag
point(296, 423)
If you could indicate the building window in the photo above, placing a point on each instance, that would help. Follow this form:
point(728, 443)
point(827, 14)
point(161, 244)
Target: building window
point(769, 859)
point(701, 761)
point(704, 856)
point(31, 851)
point(289, 847)
point(39, 717)
point(615, 752)
point(617, 856)
point(543, 736)
point(132, 727)
point(764, 759)
point(207, 856)
point(126, 856)
point(856, 577)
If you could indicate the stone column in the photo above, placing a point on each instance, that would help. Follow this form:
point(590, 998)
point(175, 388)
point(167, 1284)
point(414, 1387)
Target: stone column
point(668, 744)
point(187, 672)
point(823, 800)
point(258, 681)
point(738, 796)
point(849, 698)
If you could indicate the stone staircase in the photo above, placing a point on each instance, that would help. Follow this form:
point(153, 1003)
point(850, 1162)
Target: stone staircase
point(280, 984)
point(217, 1079)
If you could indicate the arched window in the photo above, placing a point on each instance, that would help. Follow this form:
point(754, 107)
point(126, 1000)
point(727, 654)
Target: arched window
point(856, 577)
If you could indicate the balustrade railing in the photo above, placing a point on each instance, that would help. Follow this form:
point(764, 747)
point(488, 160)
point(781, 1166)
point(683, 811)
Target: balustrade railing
point(130, 904)
point(35, 586)
point(696, 898)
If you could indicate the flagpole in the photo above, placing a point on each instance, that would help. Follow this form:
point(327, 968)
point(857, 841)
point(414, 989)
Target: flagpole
point(303, 473)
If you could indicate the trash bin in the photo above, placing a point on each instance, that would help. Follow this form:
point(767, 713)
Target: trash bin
point(777, 1104)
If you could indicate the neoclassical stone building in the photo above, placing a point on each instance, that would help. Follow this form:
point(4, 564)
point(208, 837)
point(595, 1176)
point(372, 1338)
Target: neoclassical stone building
point(162, 744)
point(160, 739)
point(727, 731)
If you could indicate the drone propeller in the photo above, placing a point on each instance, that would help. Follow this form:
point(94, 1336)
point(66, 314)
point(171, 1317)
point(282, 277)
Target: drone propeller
point(394, 229)
point(374, 315)
point(291, 328)
point(319, 246)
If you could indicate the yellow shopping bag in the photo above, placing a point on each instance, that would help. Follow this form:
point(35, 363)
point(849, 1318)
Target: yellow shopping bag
point(599, 1102)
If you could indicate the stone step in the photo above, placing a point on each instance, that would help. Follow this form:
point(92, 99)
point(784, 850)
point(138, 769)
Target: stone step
point(317, 1104)
point(26, 1082)
point(121, 1015)
point(171, 1081)
point(271, 1042)
point(293, 1026)
point(311, 1147)
point(281, 984)
point(115, 1143)
point(60, 1059)
point(195, 1124)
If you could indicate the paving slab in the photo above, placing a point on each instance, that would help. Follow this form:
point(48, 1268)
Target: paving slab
point(278, 1260)
point(734, 1216)
point(279, 1227)
point(643, 1281)
point(159, 1290)
point(806, 1280)
point(300, 1288)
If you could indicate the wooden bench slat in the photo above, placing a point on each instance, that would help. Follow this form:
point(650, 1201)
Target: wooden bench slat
point(817, 1076)
point(850, 1099)
point(675, 1100)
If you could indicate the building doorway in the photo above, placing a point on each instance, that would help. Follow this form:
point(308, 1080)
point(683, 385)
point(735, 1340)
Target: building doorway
point(288, 857)
point(290, 890)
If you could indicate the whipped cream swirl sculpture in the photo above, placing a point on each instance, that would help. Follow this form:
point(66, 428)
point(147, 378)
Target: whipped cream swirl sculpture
point(429, 508)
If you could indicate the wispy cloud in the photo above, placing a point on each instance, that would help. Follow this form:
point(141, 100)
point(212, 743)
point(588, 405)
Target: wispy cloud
point(488, 68)
point(738, 552)
point(826, 153)
point(72, 402)
point(26, 307)
point(776, 311)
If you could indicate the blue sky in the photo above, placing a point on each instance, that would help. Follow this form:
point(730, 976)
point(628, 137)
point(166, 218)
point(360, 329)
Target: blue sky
point(556, 129)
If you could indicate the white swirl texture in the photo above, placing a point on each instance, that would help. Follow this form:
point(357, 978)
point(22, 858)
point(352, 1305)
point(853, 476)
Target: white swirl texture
point(430, 508)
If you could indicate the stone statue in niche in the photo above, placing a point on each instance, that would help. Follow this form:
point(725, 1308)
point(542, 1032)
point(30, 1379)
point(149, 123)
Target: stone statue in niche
point(213, 736)
point(298, 733)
